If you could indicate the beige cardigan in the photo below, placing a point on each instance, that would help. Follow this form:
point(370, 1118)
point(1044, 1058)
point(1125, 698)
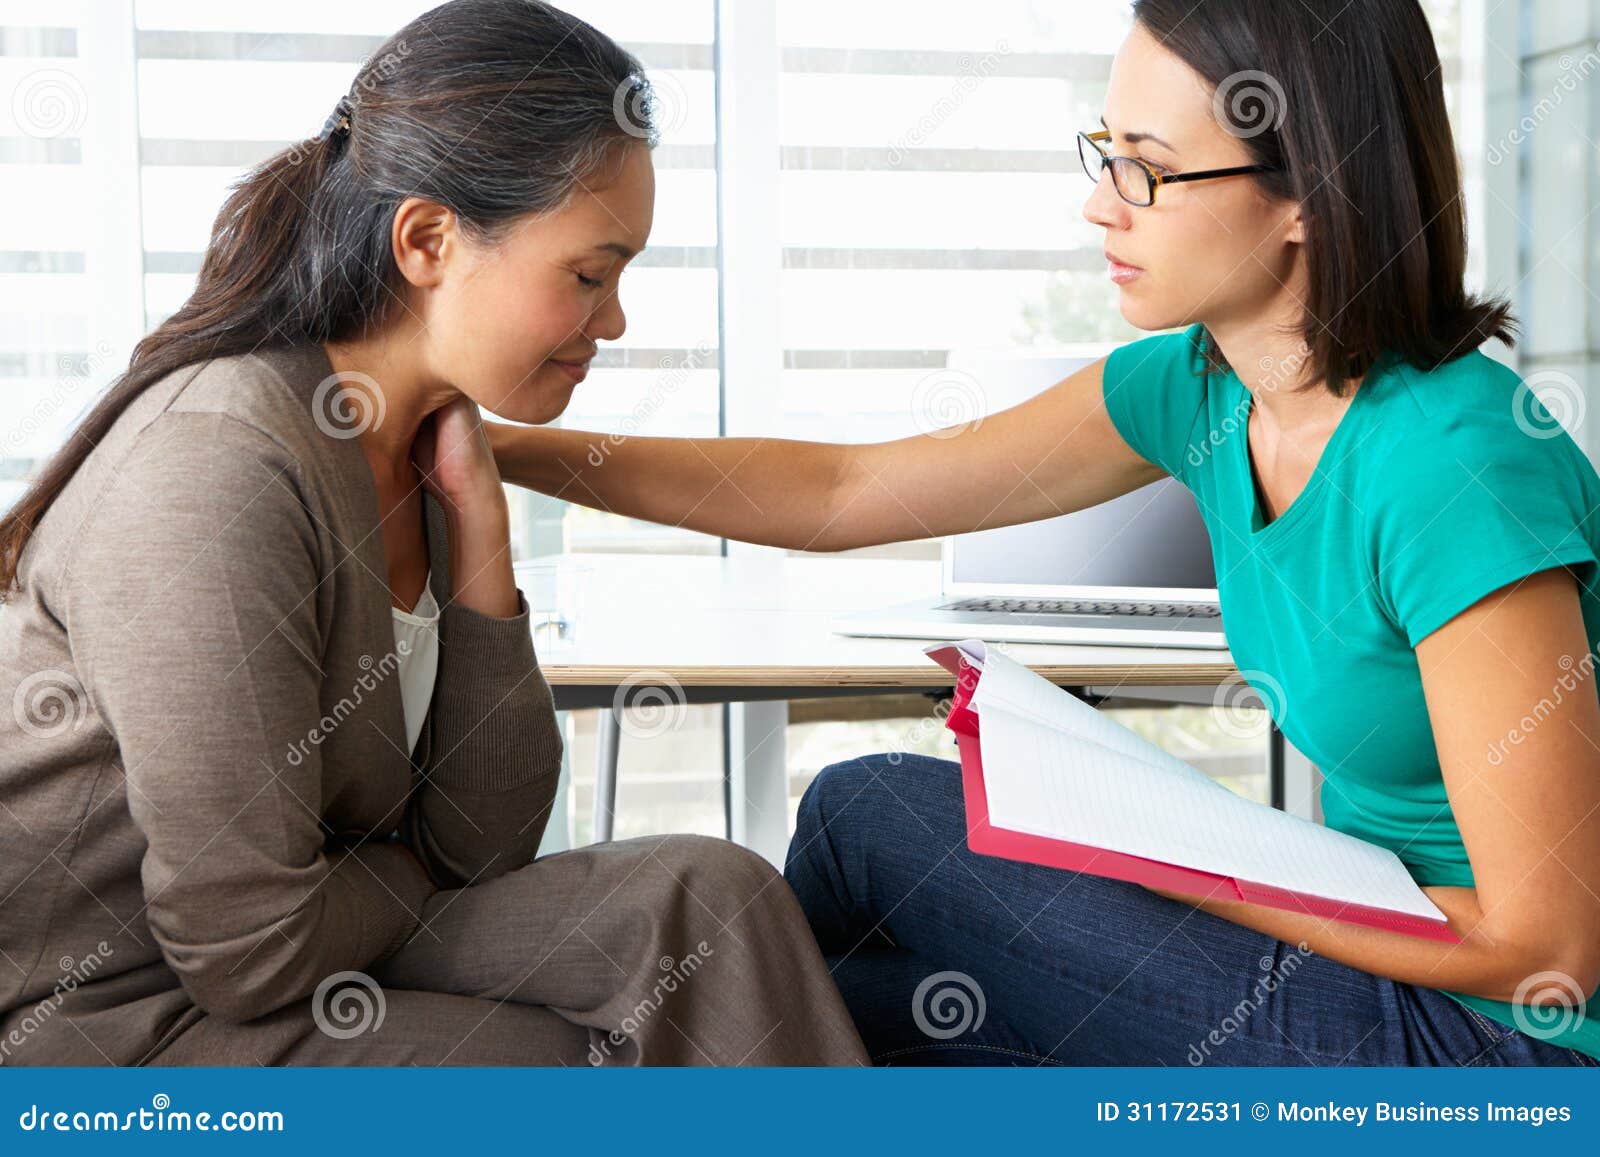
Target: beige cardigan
point(205, 758)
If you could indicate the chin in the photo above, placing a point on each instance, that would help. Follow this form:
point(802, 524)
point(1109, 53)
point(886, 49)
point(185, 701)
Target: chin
point(534, 404)
point(1149, 316)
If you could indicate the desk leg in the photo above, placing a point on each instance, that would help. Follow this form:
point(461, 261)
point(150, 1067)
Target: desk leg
point(1275, 786)
point(758, 777)
point(605, 776)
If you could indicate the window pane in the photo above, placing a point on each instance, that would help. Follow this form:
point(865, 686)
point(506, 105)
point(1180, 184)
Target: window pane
point(932, 199)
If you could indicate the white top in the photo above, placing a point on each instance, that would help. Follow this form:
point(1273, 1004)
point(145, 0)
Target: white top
point(416, 643)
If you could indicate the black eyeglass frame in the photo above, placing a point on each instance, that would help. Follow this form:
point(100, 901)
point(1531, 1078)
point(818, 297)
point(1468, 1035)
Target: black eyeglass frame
point(1153, 179)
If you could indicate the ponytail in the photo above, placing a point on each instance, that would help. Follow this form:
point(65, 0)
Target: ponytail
point(503, 110)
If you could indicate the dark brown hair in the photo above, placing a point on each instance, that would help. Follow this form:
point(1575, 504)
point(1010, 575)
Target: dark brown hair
point(492, 108)
point(1346, 97)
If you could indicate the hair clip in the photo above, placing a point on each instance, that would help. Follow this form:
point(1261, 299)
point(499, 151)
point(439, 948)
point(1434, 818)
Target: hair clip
point(338, 122)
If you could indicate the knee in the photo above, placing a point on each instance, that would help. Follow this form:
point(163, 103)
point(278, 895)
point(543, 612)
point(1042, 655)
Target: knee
point(876, 787)
point(692, 857)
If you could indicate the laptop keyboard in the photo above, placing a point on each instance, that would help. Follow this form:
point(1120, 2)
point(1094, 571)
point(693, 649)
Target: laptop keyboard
point(1085, 607)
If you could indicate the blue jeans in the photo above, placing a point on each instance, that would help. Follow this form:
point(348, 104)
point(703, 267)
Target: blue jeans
point(949, 957)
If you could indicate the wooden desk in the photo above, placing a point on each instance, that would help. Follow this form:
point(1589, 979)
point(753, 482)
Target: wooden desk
point(752, 630)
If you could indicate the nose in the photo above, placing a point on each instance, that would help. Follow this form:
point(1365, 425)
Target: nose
point(1105, 207)
point(608, 322)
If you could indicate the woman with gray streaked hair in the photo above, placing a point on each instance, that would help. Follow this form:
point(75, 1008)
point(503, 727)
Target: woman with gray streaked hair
point(282, 755)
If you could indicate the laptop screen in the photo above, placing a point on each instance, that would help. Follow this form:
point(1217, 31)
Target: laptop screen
point(1151, 537)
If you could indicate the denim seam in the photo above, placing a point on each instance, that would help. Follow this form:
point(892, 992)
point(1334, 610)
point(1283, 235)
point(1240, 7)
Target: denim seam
point(986, 1048)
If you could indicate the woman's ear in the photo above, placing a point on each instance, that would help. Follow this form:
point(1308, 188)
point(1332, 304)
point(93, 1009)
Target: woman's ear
point(423, 238)
point(1296, 223)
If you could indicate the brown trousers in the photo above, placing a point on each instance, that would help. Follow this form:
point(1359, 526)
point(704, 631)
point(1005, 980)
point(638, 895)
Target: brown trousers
point(662, 950)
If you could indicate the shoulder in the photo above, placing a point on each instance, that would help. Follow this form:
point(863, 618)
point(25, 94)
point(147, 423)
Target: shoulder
point(230, 446)
point(1181, 351)
point(1472, 415)
point(290, 394)
point(1154, 391)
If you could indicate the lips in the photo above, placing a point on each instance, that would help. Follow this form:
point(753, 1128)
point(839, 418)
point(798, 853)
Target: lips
point(1115, 260)
point(1121, 272)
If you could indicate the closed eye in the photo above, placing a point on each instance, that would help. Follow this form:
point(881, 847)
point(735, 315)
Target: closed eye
point(590, 281)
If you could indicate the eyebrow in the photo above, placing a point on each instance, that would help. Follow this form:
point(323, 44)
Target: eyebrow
point(1136, 138)
point(619, 249)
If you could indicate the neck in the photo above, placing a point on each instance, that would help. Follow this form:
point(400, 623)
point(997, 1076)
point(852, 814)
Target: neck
point(1274, 363)
point(406, 393)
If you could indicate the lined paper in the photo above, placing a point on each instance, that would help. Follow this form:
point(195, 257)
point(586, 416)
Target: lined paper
point(1056, 767)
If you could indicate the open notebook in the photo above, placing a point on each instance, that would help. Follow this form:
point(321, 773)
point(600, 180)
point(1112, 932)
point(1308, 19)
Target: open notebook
point(1050, 780)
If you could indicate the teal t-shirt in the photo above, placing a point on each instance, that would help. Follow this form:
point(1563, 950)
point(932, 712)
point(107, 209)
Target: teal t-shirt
point(1436, 488)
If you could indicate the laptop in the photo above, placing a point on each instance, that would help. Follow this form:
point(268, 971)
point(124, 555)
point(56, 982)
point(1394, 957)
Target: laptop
point(1134, 571)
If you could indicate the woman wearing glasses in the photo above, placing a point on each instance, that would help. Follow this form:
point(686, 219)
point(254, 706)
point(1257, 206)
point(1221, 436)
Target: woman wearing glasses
point(1405, 547)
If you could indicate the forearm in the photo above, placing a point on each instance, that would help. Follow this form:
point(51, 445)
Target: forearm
point(772, 491)
point(495, 750)
point(480, 557)
point(1488, 962)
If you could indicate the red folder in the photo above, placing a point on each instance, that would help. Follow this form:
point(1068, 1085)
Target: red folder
point(988, 840)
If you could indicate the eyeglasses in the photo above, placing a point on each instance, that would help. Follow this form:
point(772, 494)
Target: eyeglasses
point(1136, 182)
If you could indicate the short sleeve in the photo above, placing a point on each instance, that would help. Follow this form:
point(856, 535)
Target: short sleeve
point(1469, 506)
point(1154, 389)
